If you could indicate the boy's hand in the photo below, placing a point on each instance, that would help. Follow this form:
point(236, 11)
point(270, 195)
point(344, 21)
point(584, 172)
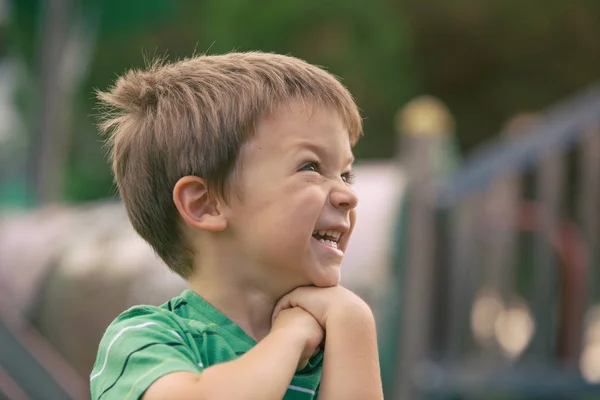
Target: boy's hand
point(349, 371)
point(324, 303)
point(296, 321)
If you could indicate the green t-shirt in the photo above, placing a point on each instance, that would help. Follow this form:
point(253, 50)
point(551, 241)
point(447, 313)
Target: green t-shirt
point(185, 334)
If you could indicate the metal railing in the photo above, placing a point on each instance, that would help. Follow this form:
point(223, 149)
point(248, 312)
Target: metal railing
point(498, 261)
point(29, 367)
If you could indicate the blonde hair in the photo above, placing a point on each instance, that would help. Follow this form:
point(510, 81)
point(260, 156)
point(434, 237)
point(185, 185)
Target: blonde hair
point(190, 118)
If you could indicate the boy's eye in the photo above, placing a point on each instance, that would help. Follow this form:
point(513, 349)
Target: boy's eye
point(310, 166)
point(348, 177)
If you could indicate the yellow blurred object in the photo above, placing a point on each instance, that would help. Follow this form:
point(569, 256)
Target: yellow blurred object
point(514, 329)
point(425, 115)
point(487, 308)
point(589, 364)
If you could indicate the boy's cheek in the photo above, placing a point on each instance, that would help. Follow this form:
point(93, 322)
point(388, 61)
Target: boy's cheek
point(352, 219)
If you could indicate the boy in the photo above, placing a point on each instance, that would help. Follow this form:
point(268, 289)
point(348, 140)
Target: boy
point(237, 169)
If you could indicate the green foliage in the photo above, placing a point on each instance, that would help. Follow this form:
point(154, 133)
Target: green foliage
point(491, 59)
point(487, 59)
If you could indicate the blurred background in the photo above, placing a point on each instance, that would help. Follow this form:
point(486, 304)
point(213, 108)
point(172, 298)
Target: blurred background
point(478, 177)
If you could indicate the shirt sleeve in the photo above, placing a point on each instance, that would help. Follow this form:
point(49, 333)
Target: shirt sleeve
point(135, 351)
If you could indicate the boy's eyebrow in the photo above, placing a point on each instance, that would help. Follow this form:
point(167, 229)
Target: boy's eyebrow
point(318, 149)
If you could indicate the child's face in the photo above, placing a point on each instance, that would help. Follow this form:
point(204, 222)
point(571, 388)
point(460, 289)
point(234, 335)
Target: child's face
point(293, 179)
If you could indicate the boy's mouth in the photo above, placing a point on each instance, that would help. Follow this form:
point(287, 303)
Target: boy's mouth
point(329, 237)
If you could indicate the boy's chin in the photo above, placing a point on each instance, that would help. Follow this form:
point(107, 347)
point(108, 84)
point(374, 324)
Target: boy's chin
point(330, 278)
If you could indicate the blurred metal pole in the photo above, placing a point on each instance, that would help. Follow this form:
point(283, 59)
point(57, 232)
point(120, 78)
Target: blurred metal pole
point(462, 275)
point(423, 123)
point(589, 207)
point(551, 174)
point(504, 201)
point(33, 364)
point(48, 143)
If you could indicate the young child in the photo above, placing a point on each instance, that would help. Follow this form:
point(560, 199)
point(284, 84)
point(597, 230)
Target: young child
point(236, 168)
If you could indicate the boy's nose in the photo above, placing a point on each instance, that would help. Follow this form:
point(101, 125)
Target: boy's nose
point(343, 197)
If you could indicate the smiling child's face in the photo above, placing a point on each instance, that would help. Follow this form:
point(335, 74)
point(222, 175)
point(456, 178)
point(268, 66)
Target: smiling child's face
point(295, 212)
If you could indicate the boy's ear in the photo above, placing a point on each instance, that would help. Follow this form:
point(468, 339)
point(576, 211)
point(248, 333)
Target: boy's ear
point(197, 208)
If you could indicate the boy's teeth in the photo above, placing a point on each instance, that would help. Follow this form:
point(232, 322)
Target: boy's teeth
point(333, 234)
point(328, 233)
point(329, 243)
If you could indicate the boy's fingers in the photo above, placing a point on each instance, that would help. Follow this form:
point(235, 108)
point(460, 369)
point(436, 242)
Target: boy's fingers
point(292, 299)
point(281, 305)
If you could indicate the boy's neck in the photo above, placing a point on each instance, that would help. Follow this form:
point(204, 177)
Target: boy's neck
point(248, 307)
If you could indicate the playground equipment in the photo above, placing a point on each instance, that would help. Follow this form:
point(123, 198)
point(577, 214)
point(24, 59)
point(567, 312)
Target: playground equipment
point(30, 368)
point(498, 283)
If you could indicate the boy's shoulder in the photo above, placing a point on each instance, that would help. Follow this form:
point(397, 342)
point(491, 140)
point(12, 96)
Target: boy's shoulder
point(175, 315)
point(144, 343)
point(187, 318)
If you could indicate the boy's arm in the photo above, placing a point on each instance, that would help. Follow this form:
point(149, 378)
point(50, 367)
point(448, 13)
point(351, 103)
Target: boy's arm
point(351, 363)
point(263, 373)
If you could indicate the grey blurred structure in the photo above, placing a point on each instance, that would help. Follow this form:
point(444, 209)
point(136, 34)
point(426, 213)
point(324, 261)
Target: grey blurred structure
point(473, 324)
